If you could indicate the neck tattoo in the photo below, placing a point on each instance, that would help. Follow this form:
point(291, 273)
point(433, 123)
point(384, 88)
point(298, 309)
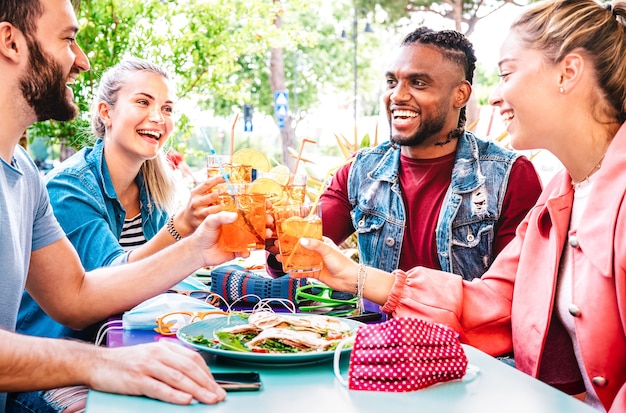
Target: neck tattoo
point(454, 134)
point(576, 184)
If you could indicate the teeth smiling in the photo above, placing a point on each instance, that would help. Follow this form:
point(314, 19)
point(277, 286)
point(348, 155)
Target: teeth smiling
point(404, 114)
point(155, 134)
point(507, 116)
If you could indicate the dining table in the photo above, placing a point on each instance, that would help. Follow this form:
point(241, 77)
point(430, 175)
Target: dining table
point(303, 387)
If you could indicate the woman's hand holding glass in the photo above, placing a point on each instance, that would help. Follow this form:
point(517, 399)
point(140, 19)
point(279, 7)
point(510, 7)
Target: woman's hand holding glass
point(341, 273)
point(202, 202)
point(338, 272)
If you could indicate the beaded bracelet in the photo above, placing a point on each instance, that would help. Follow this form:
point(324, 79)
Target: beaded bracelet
point(172, 230)
point(360, 286)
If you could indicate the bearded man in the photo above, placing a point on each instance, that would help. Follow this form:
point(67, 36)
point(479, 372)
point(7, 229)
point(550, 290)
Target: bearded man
point(434, 195)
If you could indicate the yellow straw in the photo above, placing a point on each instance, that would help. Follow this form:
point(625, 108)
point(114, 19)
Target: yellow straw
point(305, 140)
point(232, 137)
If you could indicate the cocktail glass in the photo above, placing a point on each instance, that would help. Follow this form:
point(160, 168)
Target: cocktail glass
point(296, 188)
point(238, 174)
point(292, 188)
point(294, 222)
point(248, 230)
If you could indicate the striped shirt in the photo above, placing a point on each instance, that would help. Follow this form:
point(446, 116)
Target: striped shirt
point(132, 234)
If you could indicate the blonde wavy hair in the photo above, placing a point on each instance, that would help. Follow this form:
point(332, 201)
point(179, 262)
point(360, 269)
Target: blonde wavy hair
point(557, 27)
point(158, 178)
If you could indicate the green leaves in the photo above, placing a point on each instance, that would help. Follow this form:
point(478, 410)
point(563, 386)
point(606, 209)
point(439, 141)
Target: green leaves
point(218, 53)
point(199, 41)
point(230, 341)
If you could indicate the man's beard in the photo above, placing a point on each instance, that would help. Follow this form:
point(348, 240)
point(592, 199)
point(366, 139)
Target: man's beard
point(427, 129)
point(44, 87)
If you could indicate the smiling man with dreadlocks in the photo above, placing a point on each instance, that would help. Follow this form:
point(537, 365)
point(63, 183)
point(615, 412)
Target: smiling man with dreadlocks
point(434, 195)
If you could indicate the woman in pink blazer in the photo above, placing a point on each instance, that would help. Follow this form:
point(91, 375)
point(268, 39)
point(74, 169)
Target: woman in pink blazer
point(556, 296)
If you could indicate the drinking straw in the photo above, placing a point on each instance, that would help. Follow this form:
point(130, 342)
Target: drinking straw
point(231, 189)
point(232, 137)
point(293, 154)
point(219, 165)
point(501, 136)
point(305, 140)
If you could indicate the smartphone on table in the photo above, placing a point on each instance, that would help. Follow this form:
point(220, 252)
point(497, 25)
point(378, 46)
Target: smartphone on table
point(238, 381)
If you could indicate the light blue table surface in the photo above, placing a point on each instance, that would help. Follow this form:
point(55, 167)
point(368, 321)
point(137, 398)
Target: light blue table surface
point(496, 388)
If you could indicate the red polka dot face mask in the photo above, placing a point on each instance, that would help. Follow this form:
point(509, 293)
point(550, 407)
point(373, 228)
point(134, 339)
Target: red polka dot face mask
point(403, 354)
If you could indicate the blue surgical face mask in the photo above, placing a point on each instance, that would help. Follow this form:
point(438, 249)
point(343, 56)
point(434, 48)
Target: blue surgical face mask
point(190, 284)
point(144, 315)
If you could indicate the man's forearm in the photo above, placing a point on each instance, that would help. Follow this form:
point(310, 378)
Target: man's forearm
point(36, 363)
point(112, 290)
point(58, 282)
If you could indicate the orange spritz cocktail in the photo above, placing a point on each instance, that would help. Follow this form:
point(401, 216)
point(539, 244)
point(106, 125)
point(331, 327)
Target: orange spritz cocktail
point(248, 230)
point(292, 223)
point(280, 189)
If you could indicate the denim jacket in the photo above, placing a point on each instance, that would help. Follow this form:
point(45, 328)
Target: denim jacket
point(85, 204)
point(467, 220)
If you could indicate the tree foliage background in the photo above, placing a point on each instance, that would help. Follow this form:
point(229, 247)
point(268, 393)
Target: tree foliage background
point(220, 51)
point(464, 13)
point(199, 42)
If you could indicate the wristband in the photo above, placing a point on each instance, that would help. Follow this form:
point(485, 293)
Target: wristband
point(172, 230)
point(360, 286)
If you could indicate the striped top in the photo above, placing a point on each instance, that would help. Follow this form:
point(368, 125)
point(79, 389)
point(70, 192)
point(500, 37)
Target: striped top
point(132, 234)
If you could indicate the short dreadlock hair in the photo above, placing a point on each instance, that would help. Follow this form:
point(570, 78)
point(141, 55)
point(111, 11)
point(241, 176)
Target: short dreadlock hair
point(454, 47)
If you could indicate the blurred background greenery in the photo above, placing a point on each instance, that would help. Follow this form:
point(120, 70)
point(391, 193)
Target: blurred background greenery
point(327, 55)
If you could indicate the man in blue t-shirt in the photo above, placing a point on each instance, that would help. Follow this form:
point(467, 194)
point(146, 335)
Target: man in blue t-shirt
point(38, 58)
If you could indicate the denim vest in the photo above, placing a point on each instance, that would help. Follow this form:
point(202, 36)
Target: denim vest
point(85, 204)
point(467, 220)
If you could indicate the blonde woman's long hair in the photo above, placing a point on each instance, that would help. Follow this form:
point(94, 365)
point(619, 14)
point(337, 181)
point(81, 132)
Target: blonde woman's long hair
point(558, 27)
point(157, 174)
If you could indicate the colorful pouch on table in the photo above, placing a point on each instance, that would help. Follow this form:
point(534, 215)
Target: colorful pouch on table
point(235, 283)
point(402, 354)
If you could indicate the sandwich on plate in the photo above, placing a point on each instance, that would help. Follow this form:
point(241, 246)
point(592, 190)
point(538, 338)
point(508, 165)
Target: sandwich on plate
point(268, 332)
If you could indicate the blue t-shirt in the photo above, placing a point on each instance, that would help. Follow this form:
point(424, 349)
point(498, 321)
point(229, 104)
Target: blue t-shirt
point(27, 224)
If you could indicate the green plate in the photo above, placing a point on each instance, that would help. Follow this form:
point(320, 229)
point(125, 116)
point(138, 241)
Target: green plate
point(208, 326)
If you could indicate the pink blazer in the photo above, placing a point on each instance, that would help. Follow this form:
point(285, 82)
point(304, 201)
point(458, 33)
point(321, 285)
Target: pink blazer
point(496, 317)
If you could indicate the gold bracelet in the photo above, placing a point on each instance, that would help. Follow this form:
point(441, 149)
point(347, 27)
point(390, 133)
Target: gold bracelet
point(172, 230)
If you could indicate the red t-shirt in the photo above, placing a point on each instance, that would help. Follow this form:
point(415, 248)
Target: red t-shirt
point(424, 183)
